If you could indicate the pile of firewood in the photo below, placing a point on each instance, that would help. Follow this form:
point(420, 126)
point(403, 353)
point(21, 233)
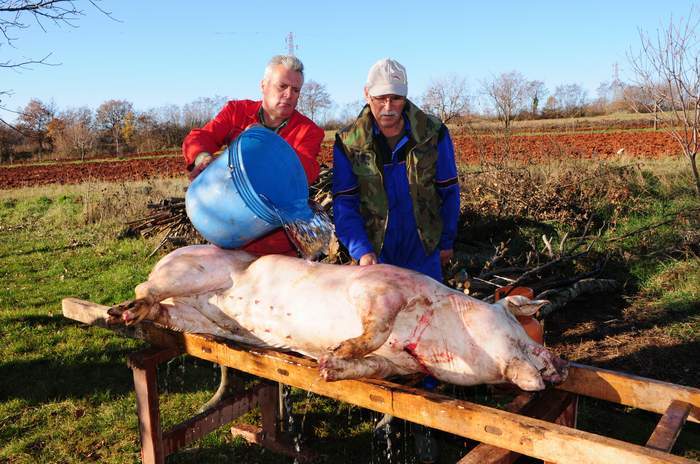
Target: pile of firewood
point(168, 220)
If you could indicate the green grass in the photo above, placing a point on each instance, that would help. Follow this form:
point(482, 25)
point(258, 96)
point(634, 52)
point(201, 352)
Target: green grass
point(66, 395)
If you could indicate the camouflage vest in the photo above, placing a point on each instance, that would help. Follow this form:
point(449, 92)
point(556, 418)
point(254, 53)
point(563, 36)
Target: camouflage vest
point(421, 166)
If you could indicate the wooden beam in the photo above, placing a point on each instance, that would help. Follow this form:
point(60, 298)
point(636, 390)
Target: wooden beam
point(630, 390)
point(664, 436)
point(532, 437)
point(202, 424)
point(548, 407)
point(489, 454)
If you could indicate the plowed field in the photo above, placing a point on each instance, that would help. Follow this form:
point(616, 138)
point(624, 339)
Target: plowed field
point(643, 144)
point(469, 149)
point(75, 173)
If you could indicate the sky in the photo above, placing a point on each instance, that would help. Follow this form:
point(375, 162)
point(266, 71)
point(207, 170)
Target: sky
point(156, 52)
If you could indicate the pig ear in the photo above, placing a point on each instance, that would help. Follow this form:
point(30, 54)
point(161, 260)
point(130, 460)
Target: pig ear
point(519, 305)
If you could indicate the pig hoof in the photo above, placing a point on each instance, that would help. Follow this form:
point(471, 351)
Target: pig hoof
point(116, 313)
point(328, 367)
point(130, 312)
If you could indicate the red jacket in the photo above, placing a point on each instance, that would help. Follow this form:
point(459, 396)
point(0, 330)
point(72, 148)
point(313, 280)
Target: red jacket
point(300, 132)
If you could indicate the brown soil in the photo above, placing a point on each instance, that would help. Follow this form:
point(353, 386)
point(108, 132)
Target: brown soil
point(471, 149)
point(635, 340)
point(76, 173)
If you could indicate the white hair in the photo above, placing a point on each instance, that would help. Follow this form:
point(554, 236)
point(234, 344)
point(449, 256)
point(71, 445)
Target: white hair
point(290, 62)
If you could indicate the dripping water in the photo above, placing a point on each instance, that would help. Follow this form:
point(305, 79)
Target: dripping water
point(310, 237)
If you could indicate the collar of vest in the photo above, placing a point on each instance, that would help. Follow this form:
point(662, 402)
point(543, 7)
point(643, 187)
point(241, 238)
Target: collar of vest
point(422, 127)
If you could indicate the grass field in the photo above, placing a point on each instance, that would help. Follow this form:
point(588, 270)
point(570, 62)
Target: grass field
point(66, 395)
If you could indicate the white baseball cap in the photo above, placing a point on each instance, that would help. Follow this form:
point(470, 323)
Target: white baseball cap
point(387, 77)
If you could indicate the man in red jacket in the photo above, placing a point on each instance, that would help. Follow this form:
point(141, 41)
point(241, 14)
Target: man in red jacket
point(281, 85)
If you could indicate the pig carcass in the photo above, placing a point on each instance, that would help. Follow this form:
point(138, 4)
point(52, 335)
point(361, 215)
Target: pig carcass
point(357, 321)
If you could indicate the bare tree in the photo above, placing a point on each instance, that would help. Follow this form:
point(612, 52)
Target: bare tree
point(446, 97)
point(349, 111)
point(667, 69)
point(641, 100)
point(16, 15)
point(33, 122)
point(314, 99)
point(202, 110)
point(73, 132)
point(571, 99)
point(112, 117)
point(507, 92)
point(535, 91)
point(9, 140)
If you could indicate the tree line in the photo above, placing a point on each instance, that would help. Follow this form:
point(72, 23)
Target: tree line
point(115, 127)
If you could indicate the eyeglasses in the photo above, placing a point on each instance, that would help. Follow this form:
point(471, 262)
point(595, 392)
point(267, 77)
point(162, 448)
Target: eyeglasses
point(391, 99)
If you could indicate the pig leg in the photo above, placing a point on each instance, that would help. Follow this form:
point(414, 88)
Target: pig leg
point(378, 305)
point(133, 311)
point(371, 366)
point(187, 271)
point(144, 306)
point(171, 314)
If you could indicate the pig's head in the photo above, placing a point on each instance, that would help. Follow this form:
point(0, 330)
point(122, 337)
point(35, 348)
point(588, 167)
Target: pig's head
point(532, 363)
point(486, 344)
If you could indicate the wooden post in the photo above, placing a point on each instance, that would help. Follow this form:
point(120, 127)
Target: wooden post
point(269, 405)
point(144, 365)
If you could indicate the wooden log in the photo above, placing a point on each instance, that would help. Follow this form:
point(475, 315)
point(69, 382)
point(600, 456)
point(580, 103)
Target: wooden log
point(630, 390)
point(528, 436)
point(664, 436)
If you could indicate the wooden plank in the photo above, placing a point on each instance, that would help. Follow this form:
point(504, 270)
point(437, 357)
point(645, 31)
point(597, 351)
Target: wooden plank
point(202, 424)
point(630, 390)
point(664, 436)
point(548, 407)
point(532, 437)
point(489, 454)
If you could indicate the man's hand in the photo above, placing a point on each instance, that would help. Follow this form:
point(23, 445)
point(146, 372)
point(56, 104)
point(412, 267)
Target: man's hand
point(446, 256)
point(200, 163)
point(368, 259)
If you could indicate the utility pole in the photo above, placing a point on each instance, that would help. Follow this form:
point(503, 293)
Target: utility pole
point(289, 40)
point(617, 90)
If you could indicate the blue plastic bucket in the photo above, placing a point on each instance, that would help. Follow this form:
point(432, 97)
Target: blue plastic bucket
point(241, 195)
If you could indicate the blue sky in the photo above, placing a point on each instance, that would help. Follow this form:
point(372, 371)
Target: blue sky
point(172, 52)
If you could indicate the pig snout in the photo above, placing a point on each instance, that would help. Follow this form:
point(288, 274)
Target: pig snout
point(552, 368)
point(532, 371)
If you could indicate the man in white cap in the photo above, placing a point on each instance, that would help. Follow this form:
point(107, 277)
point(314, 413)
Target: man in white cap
point(395, 188)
